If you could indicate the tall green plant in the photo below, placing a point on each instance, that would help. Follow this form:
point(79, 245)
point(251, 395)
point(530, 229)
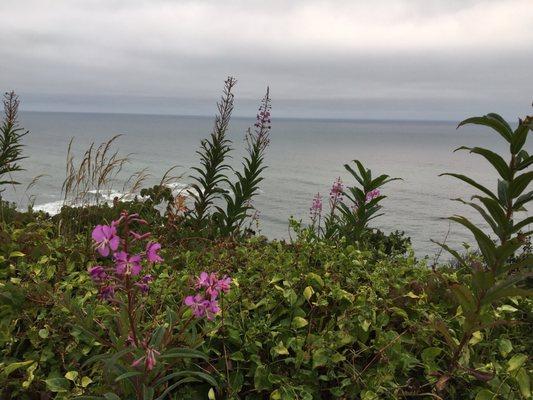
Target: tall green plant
point(213, 153)
point(238, 200)
point(499, 276)
point(365, 201)
point(11, 134)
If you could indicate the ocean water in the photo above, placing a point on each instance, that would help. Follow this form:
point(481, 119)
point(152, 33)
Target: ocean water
point(304, 158)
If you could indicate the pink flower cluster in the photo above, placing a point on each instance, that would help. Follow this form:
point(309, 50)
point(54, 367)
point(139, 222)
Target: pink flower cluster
point(108, 243)
point(315, 211)
point(336, 192)
point(205, 302)
point(149, 358)
point(372, 195)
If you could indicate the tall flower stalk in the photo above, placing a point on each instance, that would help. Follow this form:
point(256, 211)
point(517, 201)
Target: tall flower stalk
point(213, 153)
point(11, 134)
point(240, 195)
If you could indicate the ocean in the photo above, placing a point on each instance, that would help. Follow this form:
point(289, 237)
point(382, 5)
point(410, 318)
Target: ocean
point(304, 158)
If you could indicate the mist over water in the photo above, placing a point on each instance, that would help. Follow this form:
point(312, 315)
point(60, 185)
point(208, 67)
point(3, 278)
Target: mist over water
point(305, 156)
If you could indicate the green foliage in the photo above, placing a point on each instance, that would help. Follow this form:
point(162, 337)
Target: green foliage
point(213, 153)
point(498, 276)
point(213, 188)
point(241, 193)
point(364, 207)
point(11, 135)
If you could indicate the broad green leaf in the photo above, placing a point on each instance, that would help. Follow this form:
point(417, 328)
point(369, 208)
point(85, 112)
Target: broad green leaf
point(520, 183)
point(299, 322)
point(524, 383)
point(71, 375)
point(280, 349)
point(308, 292)
point(519, 138)
point(8, 369)
point(320, 357)
point(471, 182)
point(86, 381)
point(516, 362)
point(495, 159)
point(485, 394)
point(58, 385)
point(505, 346)
point(493, 121)
point(16, 254)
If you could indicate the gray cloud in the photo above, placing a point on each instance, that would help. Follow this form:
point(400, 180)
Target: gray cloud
point(348, 59)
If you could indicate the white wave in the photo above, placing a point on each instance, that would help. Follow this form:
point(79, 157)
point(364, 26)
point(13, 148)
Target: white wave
point(95, 197)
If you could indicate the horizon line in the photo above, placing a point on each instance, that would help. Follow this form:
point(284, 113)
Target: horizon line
point(295, 118)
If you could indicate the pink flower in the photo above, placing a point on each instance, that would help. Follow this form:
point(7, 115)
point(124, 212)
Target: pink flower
point(149, 359)
point(106, 239)
point(372, 195)
point(211, 309)
point(223, 285)
point(335, 194)
point(143, 283)
point(107, 292)
point(316, 207)
point(198, 305)
point(151, 252)
point(127, 265)
point(97, 273)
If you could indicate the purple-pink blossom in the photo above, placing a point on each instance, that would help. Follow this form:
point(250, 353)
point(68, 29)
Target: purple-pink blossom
point(315, 211)
point(126, 264)
point(152, 255)
point(336, 192)
point(372, 195)
point(107, 292)
point(205, 304)
point(97, 273)
point(197, 304)
point(149, 359)
point(106, 239)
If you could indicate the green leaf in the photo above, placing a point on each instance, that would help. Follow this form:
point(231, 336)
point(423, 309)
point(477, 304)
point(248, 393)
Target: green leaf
point(519, 138)
point(320, 358)
point(127, 375)
point(464, 297)
point(280, 349)
point(495, 159)
point(471, 182)
point(299, 322)
point(71, 375)
point(520, 183)
point(516, 362)
point(505, 346)
point(493, 121)
point(261, 381)
point(308, 292)
point(429, 354)
point(111, 396)
point(16, 254)
point(8, 369)
point(86, 381)
point(524, 383)
point(485, 394)
point(58, 385)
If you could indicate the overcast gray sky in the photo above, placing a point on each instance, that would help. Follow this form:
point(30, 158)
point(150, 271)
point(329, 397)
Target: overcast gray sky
point(397, 59)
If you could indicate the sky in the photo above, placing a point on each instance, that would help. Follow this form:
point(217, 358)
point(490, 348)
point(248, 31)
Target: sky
point(395, 59)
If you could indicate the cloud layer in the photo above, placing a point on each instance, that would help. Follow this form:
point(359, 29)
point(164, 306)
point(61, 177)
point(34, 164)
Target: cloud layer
point(350, 59)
